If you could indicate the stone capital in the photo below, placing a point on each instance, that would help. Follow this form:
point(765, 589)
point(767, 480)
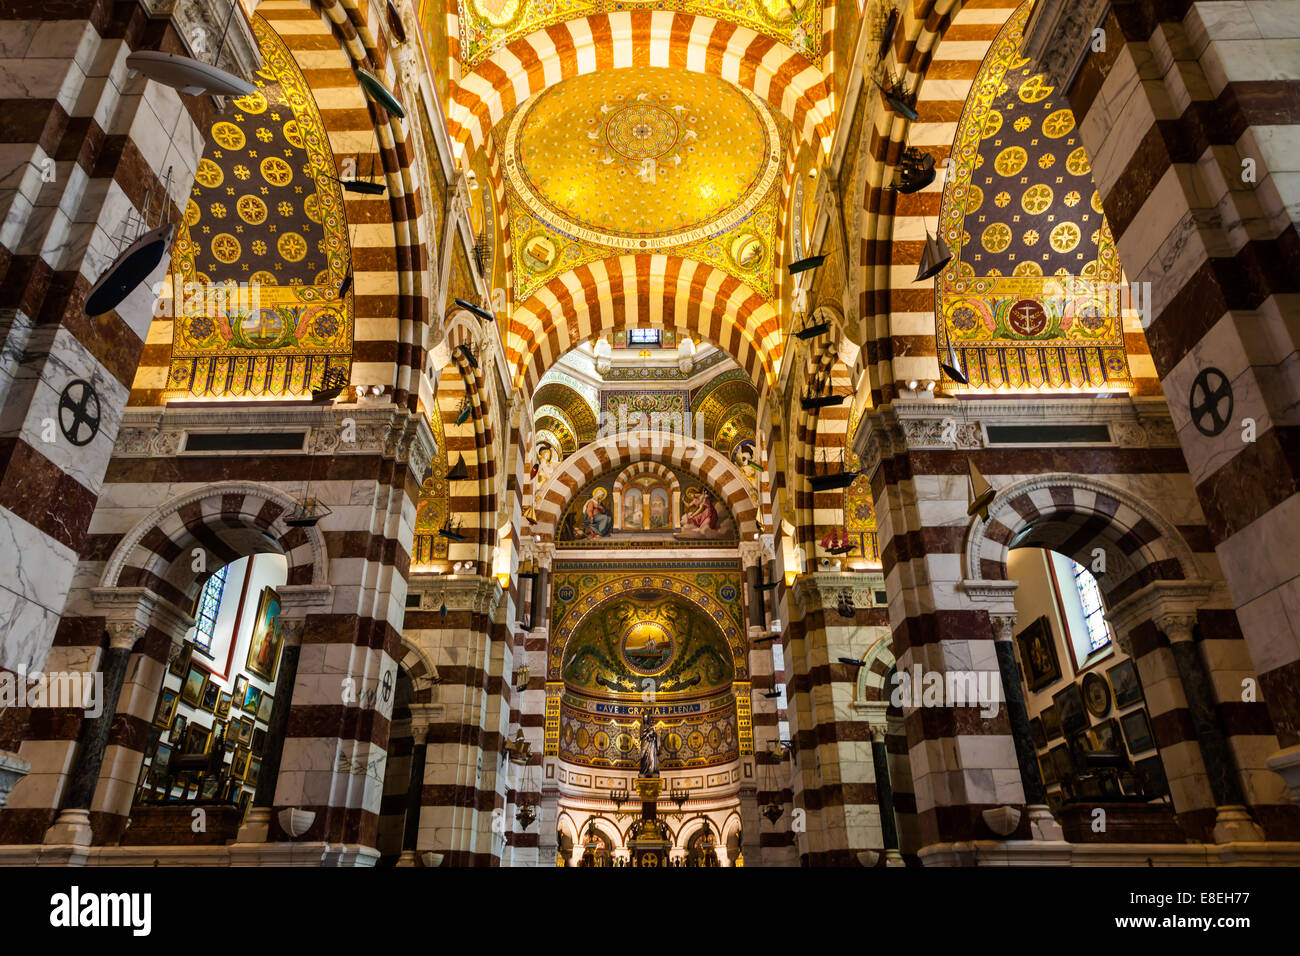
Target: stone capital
point(751, 552)
point(821, 590)
point(122, 635)
point(1175, 602)
point(1004, 626)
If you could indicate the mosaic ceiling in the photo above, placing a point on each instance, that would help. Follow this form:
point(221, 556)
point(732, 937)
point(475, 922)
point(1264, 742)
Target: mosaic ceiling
point(489, 25)
point(1031, 297)
point(642, 159)
point(266, 216)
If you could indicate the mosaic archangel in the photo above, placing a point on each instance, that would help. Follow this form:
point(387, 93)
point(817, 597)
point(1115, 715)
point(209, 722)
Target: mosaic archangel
point(1032, 297)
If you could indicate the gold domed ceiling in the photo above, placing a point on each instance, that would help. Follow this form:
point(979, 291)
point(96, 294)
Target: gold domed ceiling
point(643, 159)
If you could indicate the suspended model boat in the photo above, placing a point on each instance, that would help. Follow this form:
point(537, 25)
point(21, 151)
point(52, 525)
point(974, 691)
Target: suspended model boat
point(187, 74)
point(129, 269)
point(376, 90)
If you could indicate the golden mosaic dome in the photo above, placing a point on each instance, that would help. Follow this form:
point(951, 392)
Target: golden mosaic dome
point(643, 157)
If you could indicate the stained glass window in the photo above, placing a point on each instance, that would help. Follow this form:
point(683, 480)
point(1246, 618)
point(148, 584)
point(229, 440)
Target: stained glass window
point(205, 618)
point(644, 336)
point(1093, 614)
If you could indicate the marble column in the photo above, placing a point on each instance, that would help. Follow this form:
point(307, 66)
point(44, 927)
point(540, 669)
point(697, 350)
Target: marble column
point(421, 717)
point(878, 722)
point(1042, 824)
point(1233, 823)
point(257, 823)
point(72, 827)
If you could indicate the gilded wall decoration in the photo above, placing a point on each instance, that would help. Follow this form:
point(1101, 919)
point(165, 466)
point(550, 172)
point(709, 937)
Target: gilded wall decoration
point(578, 589)
point(1032, 296)
point(696, 734)
point(489, 25)
point(859, 504)
point(646, 505)
point(643, 159)
point(571, 406)
point(263, 248)
point(434, 504)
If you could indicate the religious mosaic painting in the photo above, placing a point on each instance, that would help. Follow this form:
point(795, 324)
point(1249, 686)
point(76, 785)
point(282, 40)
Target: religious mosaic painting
point(643, 159)
point(859, 505)
point(1031, 299)
point(434, 505)
point(263, 249)
point(712, 588)
point(604, 734)
point(489, 25)
point(646, 505)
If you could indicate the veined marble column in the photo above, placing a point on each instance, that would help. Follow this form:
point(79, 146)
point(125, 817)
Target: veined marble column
point(422, 715)
point(258, 821)
point(73, 824)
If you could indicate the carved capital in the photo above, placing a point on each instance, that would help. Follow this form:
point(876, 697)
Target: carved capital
point(821, 590)
point(1004, 626)
point(1177, 626)
point(750, 553)
point(122, 635)
point(1058, 37)
point(292, 629)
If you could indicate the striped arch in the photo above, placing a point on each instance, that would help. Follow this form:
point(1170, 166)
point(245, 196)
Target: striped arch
point(817, 434)
point(877, 662)
point(1074, 514)
point(227, 520)
point(473, 499)
point(606, 454)
point(609, 41)
point(643, 290)
point(573, 409)
point(420, 668)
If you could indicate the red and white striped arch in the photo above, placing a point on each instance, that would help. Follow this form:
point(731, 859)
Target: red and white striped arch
point(771, 70)
point(655, 291)
point(667, 448)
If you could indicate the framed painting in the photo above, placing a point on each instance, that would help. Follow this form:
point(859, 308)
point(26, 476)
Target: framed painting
point(1104, 737)
point(1062, 762)
point(219, 732)
point(244, 733)
point(245, 798)
point(179, 726)
point(251, 696)
point(264, 708)
point(209, 786)
point(165, 712)
point(254, 771)
point(241, 688)
point(1047, 767)
point(1124, 681)
point(1037, 733)
point(239, 766)
point(1151, 777)
point(1069, 702)
point(1051, 722)
point(196, 678)
point(1137, 731)
point(211, 694)
point(259, 741)
point(1096, 694)
point(180, 661)
point(264, 647)
point(1038, 655)
point(223, 705)
point(196, 741)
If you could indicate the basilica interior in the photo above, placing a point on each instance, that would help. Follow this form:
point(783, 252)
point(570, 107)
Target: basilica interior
point(627, 433)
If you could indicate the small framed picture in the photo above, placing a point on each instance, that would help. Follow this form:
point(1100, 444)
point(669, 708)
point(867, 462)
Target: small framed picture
point(264, 645)
point(1104, 737)
point(179, 726)
point(241, 687)
point(244, 732)
point(1038, 654)
point(1055, 800)
point(251, 697)
point(259, 741)
point(196, 741)
point(219, 731)
point(1096, 694)
point(264, 708)
point(1069, 702)
point(1124, 680)
point(245, 798)
point(165, 712)
point(1051, 718)
point(180, 659)
point(196, 678)
point(211, 694)
point(223, 705)
point(1037, 733)
point(1151, 777)
point(1061, 761)
point(254, 771)
point(1137, 731)
point(209, 786)
point(1048, 769)
point(239, 766)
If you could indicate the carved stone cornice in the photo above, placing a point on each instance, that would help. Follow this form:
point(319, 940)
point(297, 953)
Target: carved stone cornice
point(1174, 603)
point(821, 590)
point(1058, 36)
point(457, 592)
point(299, 600)
point(999, 597)
point(201, 25)
point(140, 607)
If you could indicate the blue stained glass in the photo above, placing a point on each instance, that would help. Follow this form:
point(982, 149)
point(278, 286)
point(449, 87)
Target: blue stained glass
point(644, 336)
point(1093, 613)
point(209, 604)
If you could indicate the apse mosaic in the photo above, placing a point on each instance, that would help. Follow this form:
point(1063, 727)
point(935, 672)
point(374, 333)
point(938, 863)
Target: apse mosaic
point(643, 159)
point(727, 411)
point(434, 504)
point(859, 506)
point(266, 219)
point(646, 505)
point(698, 734)
point(646, 632)
point(1032, 296)
point(711, 590)
point(488, 25)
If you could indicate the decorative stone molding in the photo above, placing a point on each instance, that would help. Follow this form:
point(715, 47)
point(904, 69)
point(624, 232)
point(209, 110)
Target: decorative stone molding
point(942, 433)
point(1173, 602)
point(12, 769)
point(750, 553)
point(202, 26)
point(998, 596)
point(122, 635)
point(1004, 626)
point(821, 590)
point(140, 607)
point(423, 716)
point(457, 592)
point(1058, 36)
point(299, 600)
point(1286, 764)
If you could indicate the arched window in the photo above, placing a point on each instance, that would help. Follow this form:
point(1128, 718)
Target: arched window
point(205, 615)
point(1093, 614)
